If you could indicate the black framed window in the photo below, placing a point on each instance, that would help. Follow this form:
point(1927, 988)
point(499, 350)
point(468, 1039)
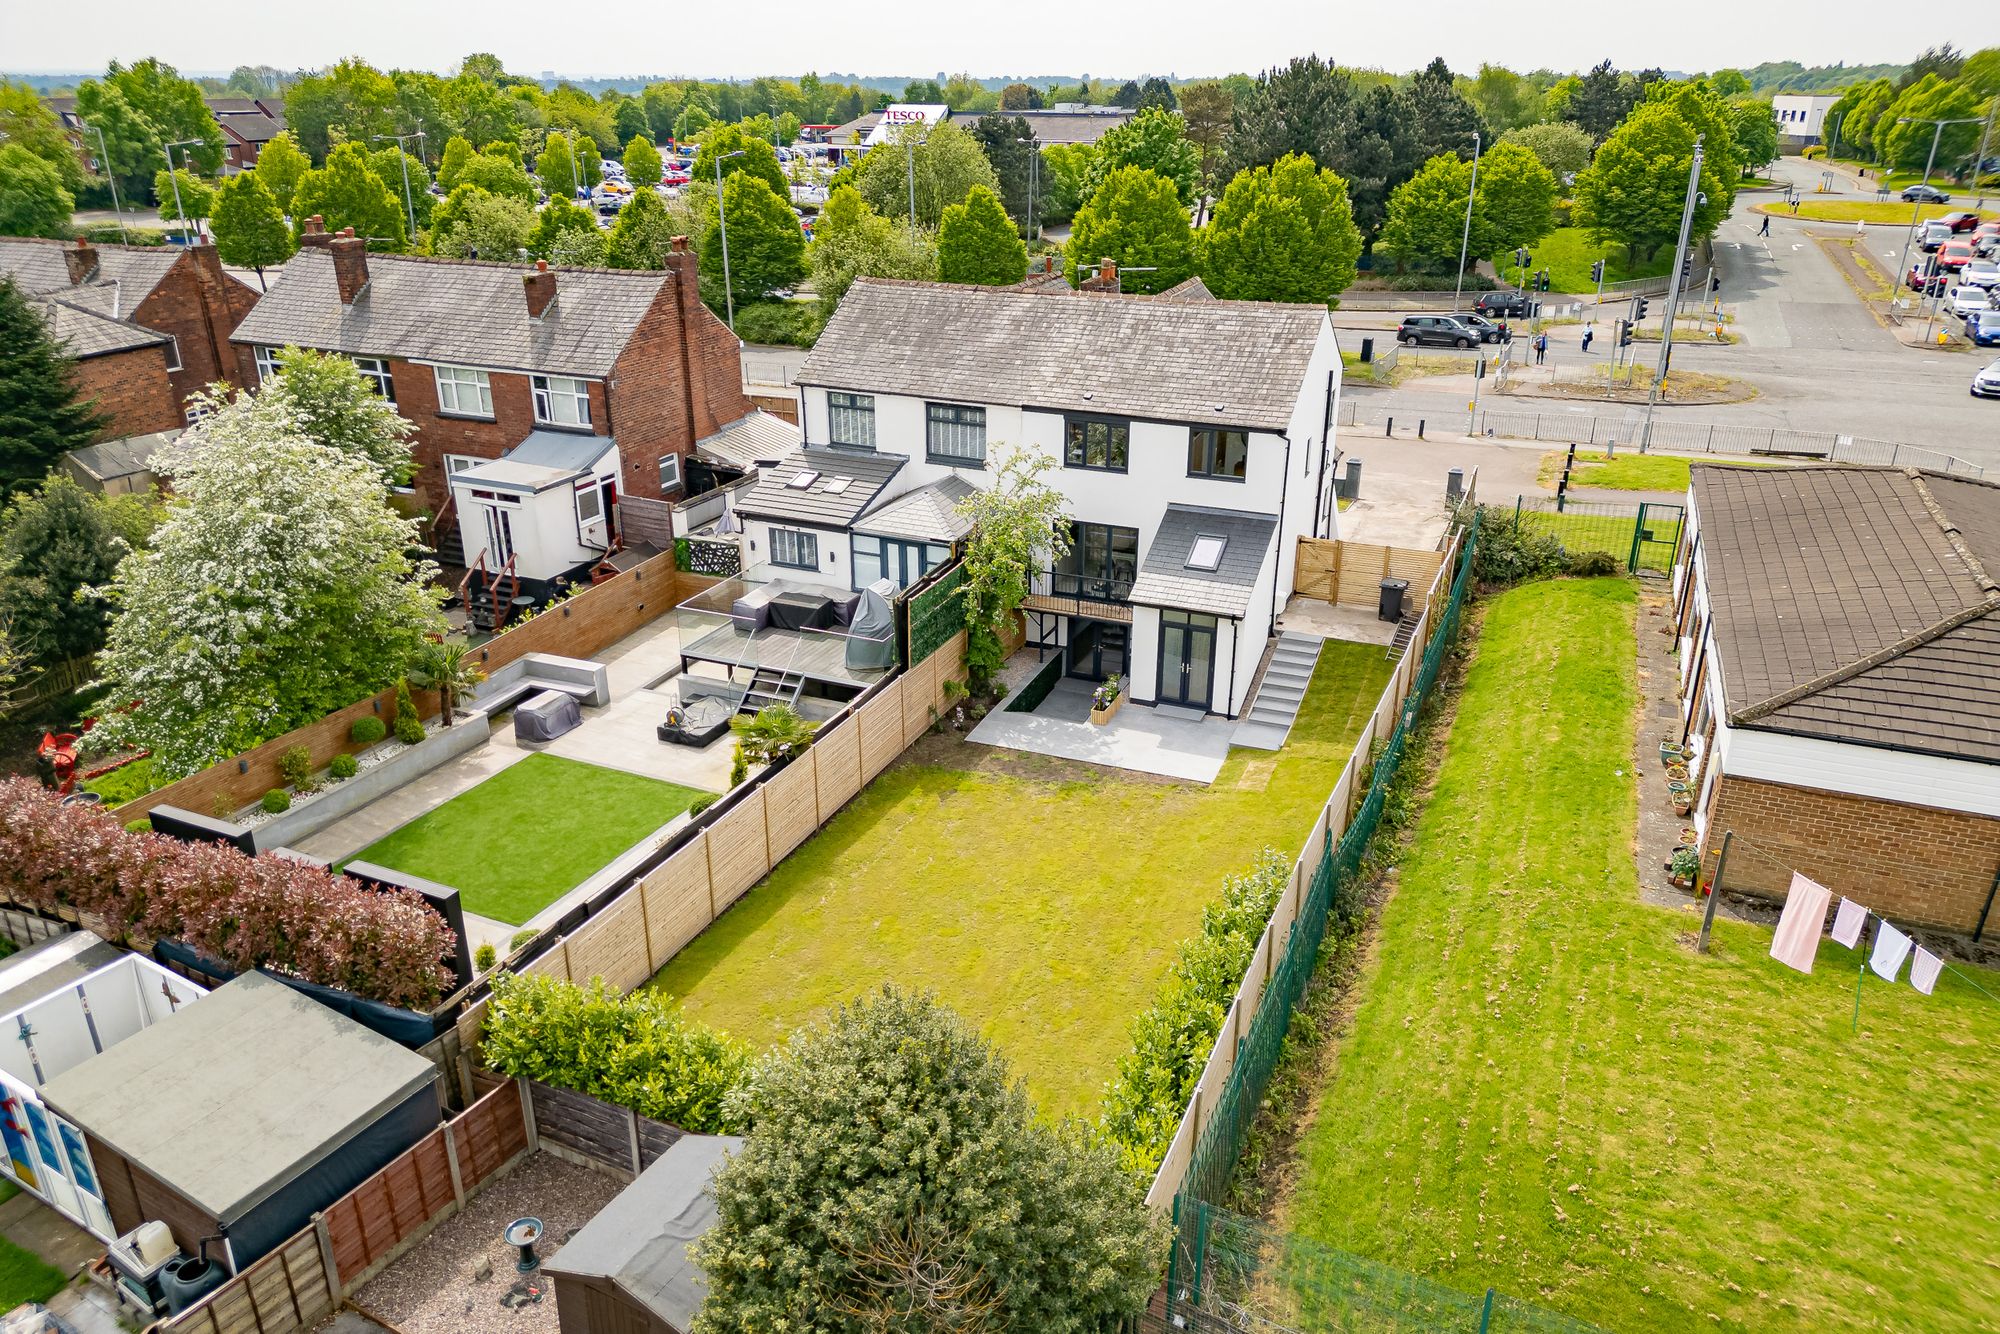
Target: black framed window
point(791, 547)
point(955, 435)
point(1096, 442)
point(1214, 452)
point(850, 420)
point(1101, 564)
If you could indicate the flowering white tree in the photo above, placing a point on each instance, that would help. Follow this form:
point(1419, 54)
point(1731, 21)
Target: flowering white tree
point(278, 589)
point(338, 408)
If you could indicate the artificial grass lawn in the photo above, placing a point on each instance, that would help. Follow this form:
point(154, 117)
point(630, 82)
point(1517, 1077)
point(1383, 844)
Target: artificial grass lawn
point(1544, 1090)
point(1045, 911)
point(26, 1277)
point(531, 833)
point(1568, 252)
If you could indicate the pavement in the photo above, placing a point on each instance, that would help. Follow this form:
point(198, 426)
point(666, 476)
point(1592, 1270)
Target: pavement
point(1138, 737)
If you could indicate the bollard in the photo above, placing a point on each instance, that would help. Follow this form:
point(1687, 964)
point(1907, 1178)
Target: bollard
point(1420, 428)
point(1390, 429)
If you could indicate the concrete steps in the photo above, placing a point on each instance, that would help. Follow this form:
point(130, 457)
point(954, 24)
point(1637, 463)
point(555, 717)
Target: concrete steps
point(1268, 721)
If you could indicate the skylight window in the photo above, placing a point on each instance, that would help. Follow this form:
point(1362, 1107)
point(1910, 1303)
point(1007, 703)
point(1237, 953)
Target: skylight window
point(1206, 554)
point(802, 479)
point(838, 484)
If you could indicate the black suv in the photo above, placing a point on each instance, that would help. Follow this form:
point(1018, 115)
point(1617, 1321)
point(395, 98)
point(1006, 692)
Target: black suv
point(1511, 305)
point(1442, 330)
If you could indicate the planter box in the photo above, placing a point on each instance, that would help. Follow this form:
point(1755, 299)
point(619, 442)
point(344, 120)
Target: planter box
point(1108, 712)
point(309, 815)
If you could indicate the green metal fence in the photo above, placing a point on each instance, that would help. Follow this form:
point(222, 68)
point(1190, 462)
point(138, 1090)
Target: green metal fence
point(1644, 536)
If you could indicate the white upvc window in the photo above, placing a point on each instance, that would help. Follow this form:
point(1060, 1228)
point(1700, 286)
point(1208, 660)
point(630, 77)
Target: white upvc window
point(464, 392)
point(589, 502)
point(268, 364)
point(670, 473)
point(460, 462)
point(173, 353)
point(562, 401)
point(375, 371)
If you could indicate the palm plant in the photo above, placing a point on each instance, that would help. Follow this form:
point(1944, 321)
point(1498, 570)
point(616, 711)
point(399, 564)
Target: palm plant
point(775, 736)
point(446, 667)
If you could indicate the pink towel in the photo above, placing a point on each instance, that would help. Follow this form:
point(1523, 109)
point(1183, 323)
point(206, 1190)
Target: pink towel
point(1797, 938)
point(1847, 923)
point(1924, 971)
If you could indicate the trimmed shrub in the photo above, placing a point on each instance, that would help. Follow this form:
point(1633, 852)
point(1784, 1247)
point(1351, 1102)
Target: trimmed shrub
point(142, 825)
point(701, 803)
point(343, 766)
point(277, 801)
point(223, 806)
point(295, 766)
point(520, 938)
point(409, 728)
point(485, 957)
point(245, 912)
point(367, 731)
point(637, 1051)
point(1511, 551)
point(1592, 564)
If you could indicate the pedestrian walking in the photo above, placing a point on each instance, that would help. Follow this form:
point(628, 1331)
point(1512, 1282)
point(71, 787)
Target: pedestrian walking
point(1588, 334)
point(1765, 230)
point(1541, 347)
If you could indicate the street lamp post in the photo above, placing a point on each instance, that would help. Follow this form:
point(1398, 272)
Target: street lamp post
point(722, 226)
point(104, 156)
point(174, 180)
point(910, 171)
point(1673, 293)
point(1465, 238)
point(403, 156)
point(1034, 163)
point(1917, 207)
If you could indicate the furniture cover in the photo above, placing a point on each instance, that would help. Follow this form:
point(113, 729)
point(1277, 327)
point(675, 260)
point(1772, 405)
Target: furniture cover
point(801, 611)
point(546, 716)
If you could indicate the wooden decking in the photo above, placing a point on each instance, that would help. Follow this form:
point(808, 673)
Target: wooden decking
point(1061, 606)
point(820, 657)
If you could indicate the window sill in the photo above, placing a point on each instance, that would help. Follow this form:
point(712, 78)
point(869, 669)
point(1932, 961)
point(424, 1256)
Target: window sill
point(464, 416)
point(944, 461)
point(585, 429)
point(1218, 477)
point(1122, 470)
point(787, 565)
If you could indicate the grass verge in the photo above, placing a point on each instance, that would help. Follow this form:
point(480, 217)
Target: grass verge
point(531, 833)
point(1889, 211)
point(1043, 902)
point(1629, 471)
point(1568, 252)
point(1544, 1090)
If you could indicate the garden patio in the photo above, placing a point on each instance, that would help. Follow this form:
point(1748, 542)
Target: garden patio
point(1040, 897)
point(1543, 1089)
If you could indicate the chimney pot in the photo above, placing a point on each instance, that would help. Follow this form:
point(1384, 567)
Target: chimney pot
point(81, 262)
point(315, 225)
point(1107, 269)
point(313, 234)
point(679, 245)
point(540, 288)
point(541, 266)
point(350, 266)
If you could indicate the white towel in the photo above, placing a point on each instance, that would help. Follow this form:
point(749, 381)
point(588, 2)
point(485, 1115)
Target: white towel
point(1924, 970)
point(1847, 923)
point(1797, 937)
point(1891, 946)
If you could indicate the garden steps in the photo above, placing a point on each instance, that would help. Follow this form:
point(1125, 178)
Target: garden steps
point(771, 685)
point(1406, 630)
point(1275, 707)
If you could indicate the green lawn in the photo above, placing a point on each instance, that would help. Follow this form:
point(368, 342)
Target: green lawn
point(1046, 911)
point(1542, 1089)
point(530, 833)
point(1568, 252)
point(26, 1277)
point(1887, 212)
point(1579, 530)
point(126, 783)
point(1627, 471)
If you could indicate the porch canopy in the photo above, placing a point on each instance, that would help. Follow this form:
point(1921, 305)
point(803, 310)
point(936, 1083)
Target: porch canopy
point(542, 461)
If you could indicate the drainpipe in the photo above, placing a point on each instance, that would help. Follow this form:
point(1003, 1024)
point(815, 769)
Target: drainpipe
point(1983, 912)
point(1284, 490)
point(1325, 449)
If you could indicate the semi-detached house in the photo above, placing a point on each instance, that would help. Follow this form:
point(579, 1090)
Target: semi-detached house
point(1192, 439)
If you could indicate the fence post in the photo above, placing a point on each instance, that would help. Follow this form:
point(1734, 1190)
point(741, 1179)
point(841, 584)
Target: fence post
point(1638, 531)
point(1486, 1312)
point(632, 1140)
point(325, 1237)
point(528, 1115)
point(451, 1161)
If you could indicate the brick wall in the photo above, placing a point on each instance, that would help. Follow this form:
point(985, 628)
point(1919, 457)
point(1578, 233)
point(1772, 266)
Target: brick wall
point(134, 388)
point(438, 434)
point(1910, 863)
point(200, 306)
point(679, 379)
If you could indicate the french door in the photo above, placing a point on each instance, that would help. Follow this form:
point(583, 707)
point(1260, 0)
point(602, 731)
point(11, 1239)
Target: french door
point(1187, 659)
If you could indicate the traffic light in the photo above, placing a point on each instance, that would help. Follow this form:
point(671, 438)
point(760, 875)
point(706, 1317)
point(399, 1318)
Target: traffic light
point(1542, 281)
point(1714, 282)
point(1638, 309)
point(1687, 266)
point(1597, 271)
point(1624, 334)
point(1521, 258)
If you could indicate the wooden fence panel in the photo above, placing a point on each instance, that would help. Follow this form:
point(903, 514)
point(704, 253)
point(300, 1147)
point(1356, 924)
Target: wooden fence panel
point(612, 945)
point(489, 1135)
point(584, 1125)
point(1318, 569)
point(880, 722)
point(655, 1138)
point(677, 901)
point(738, 856)
point(367, 1222)
point(791, 806)
point(837, 765)
point(284, 1293)
point(920, 693)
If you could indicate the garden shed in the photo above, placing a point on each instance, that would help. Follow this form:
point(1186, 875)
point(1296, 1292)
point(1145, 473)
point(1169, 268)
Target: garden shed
point(234, 1120)
point(628, 1270)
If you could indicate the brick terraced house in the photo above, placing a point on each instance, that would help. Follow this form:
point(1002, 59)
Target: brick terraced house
point(523, 382)
point(1839, 635)
point(148, 325)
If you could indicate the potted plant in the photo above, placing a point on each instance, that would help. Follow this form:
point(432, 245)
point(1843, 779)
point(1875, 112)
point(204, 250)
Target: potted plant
point(1104, 701)
point(1677, 772)
point(1671, 752)
point(1682, 802)
point(1683, 868)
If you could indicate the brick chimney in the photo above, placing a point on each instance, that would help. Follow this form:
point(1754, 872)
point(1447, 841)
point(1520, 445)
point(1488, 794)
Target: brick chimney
point(1105, 279)
point(540, 287)
point(313, 234)
point(81, 261)
point(350, 265)
point(689, 314)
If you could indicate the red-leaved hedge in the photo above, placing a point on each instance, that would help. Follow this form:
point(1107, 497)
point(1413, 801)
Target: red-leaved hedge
point(247, 912)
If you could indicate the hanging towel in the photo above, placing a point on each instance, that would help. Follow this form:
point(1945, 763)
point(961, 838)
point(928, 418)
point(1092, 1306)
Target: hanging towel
point(1924, 970)
point(1847, 923)
point(1797, 938)
point(1891, 946)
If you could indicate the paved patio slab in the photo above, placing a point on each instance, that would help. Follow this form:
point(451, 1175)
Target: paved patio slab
point(1139, 738)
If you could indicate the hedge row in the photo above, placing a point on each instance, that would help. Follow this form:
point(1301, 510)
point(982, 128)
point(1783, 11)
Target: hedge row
point(246, 912)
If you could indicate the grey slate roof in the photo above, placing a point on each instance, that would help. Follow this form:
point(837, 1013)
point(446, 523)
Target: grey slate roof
point(772, 498)
point(640, 1240)
point(761, 437)
point(1856, 604)
point(1166, 581)
point(84, 330)
point(1219, 363)
point(126, 456)
point(458, 312)
point(230, 1097)
point(37, 267)
point(1191, 289)
point(927, 514)
point(1071, 127)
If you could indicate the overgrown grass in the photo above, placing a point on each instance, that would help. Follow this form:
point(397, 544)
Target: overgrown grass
point(1544, 1090)
point(126, 783)
point(1568, 252)
point(26, 1277)
point(530, 833)
point(1045, 911)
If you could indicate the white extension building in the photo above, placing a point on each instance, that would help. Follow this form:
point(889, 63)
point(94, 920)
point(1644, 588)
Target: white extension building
point(1801, 118)
point(1192, 438)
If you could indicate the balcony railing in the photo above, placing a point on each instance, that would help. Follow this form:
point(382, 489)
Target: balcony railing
point(1083, 587)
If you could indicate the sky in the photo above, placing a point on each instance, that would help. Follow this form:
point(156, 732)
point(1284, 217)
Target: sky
point(1121, 38)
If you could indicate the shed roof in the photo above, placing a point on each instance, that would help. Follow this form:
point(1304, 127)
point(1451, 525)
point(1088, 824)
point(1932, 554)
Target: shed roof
point(927, 514)
point(1167, 580)
point(230, 1098)
point(1856, 604)
point(826, 503)
point(52, 965)
point(457, 312)
point(640, 1240)
point(1222, 363)
point(127, 456)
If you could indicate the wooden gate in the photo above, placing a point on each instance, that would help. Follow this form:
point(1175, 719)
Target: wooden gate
point(1318, 573)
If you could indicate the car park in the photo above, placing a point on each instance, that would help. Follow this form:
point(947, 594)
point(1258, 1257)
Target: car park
point(1954, 255)
point(1925, 277)
point(1931, 235)
point(1986, 240)
point(1928, 194)
point(1981, 273)
point(1983, 328)
point(1986, 384)
point(675, 176)
point(1437, 330)
point(1513, 305)
point(1965, 299)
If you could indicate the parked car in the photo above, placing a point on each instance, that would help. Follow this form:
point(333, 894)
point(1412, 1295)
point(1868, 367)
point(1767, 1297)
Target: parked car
point(1924, 277)
point(1981, 273)
point(1960, 221)
point(675, 176)
point(1986, 384)
point(1966, 298)
point(1439, 330)
point(1983, 328)
point(1928, 194)
point(1512, 305)
point(1489, 332)
point(1931, 235)
point(1954, 255)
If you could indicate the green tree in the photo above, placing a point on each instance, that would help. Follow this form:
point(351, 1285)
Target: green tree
point(1157, 92)
point(1206, 109)
point(1907, 146)
point(1017, 526)
point(132, 149)
point(1009, 146)
point(628, 119)
point(1600, 101)
point(589, 161)
point(448, 667)
point(574, 248)
point(249, 226)
point(558, 218)
point(458, 152)
point(26, 122)
point(184, 197)
point(1634, 189)
point(498, 174)
point(767, 250)
point(388, 163)
point(693, 120)
point(977, 242)
point(1561, 147)
point(40, 417)
point(1442, 119)
point(1282, 233)
point(1136, 220)
point(643, 167)
point(1505, 100)
point(557, 168)
point(1313, 108)
point(1156, 140)
point(1065, 175)
point(1754, 129)
point(346, 192)
point(58, 548)
point(482, 113)
point(281, 165)
point(1517, 200)
point(946, 162)
point(1710, 117)
point(350, 103)
point(173, 107)
point(927, 92)
point(1020, 97)
point(852, 241)
point(642, 236)
point(484, 226)
point(759, 158)
point(332, 404)
point(33, 201)
point(889, 1143)
point(1981, 72)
